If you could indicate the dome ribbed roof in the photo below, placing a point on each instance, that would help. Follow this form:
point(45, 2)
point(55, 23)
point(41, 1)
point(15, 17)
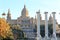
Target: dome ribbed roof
point(24, 11)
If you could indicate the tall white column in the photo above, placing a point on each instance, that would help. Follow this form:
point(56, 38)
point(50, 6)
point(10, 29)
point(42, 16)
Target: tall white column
point(46, 26)
point(38, 26)
point(54, 26)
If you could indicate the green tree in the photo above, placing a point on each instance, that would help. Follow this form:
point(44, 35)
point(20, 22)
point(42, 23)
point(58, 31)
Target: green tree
point(18, 32)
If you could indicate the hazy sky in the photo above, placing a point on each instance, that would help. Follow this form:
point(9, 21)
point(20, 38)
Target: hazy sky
point(32, 6)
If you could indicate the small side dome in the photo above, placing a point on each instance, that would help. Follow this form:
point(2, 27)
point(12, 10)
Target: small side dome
point(3, 14)
point(24, 12)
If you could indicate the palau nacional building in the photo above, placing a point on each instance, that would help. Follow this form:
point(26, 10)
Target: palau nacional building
point(29, 24)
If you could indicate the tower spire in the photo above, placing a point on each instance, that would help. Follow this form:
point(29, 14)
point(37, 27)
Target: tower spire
point(50, 18)
point(50, 15)
point(24, 6)
point(8, 15)
point(8, 11)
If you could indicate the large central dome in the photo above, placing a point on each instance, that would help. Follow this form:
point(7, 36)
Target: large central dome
point(24, 12)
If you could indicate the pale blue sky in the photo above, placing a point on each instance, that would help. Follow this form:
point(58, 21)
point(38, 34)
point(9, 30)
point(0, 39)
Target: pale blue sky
point(32, 6)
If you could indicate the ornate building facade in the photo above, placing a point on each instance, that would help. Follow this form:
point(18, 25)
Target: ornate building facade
point(26, 23)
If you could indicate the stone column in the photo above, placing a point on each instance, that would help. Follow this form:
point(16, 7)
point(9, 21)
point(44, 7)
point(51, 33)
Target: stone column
point(54, 26)
point(46, 26)
point(38, 26)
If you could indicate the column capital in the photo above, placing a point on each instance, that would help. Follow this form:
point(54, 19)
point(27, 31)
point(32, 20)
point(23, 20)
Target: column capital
point(45, 12)
point(53, 12)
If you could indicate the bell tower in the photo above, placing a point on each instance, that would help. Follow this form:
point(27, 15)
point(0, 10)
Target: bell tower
point(50, 18)
point(8, 15)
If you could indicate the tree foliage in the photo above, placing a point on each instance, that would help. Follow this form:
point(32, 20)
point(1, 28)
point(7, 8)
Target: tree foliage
point(5, 31)
point(18, 32)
